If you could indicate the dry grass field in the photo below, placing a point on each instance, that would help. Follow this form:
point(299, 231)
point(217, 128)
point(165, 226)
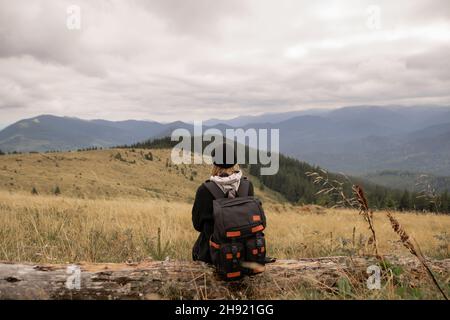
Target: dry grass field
point(124, 205)
point(62, 229)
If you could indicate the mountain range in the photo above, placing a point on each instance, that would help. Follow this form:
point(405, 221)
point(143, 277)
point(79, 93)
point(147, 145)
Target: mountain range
point(355, 140)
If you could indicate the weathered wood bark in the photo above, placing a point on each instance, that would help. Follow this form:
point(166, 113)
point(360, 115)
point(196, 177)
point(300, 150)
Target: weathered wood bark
point(187, 280)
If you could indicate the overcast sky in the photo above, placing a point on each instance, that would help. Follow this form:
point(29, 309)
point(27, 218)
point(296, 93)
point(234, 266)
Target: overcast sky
point(197, 59)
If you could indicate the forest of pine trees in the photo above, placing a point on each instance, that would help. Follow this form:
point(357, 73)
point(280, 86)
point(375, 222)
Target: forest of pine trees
point(293, 183)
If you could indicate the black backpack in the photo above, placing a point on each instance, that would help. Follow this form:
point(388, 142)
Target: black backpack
point(237, 245)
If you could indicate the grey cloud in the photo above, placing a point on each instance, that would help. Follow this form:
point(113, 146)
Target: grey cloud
point(37, 29)
point(195, 59)
point(435, 60)
point(194, 17)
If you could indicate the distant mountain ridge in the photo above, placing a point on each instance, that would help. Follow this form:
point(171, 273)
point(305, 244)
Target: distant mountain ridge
point(48, 132)
point(263, 118)
point(356, 140)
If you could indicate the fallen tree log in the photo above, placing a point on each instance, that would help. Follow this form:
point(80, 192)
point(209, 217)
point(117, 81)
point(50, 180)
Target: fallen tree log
point(189, 280)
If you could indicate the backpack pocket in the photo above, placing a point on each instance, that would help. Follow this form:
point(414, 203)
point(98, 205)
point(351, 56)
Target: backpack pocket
point(227, 258)
point(239, 217)
point(256, 249)
point(231, 254)
point(244, 232)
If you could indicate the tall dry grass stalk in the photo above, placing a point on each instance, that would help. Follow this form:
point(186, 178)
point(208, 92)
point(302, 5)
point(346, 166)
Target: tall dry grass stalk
point(427, 191)
point(356, 201)
point(405, 239)
point(331, 187)
point(367, 214)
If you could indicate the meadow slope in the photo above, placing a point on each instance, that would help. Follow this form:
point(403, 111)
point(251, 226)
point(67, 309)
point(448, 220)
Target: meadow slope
point(107, 174)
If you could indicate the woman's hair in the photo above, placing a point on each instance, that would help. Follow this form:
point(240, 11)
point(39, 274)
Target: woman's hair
point(218, 171)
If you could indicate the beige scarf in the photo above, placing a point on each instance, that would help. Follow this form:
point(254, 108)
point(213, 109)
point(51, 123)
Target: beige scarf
point(229, 185)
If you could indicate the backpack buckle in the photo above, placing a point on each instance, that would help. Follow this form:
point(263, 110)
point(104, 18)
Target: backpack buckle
point(234, 251)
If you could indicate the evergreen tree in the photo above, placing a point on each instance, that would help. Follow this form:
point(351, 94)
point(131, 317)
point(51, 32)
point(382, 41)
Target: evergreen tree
point(390, 203)
point(444, 203)
point(405, 201)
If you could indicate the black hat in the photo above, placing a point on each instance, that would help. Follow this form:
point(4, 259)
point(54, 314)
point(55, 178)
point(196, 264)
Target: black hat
point(220, 157)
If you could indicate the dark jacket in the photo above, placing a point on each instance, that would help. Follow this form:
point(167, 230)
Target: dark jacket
point(203, 221)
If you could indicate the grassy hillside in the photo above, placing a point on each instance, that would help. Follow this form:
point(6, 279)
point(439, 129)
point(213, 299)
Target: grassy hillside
point(107, 174)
